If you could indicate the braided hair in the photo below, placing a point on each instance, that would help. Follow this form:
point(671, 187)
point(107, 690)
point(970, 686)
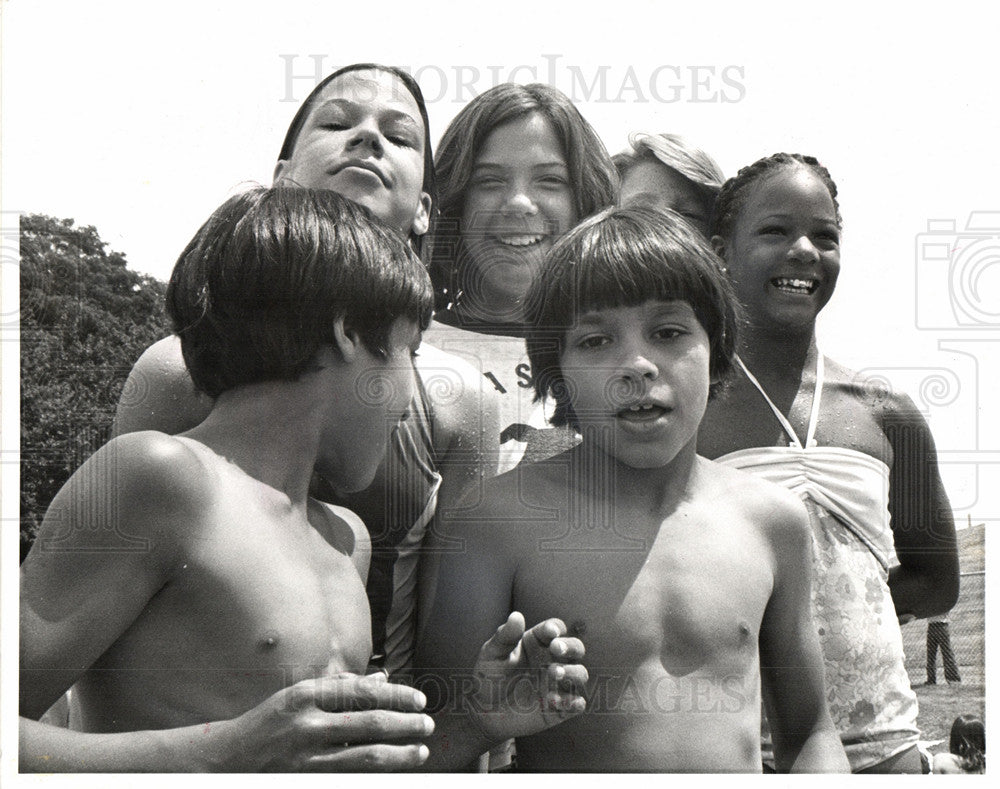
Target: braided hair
point(734, 193)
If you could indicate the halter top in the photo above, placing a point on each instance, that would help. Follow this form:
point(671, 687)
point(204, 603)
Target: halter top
point(846, 493)
point(848, 483)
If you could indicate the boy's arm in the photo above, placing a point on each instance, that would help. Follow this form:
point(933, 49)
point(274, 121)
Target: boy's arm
point(109, 541)
point(159, 394)
point(804, 737)
point(516, 683)
point(345, 723)
point(926, 581)
point(103, 550)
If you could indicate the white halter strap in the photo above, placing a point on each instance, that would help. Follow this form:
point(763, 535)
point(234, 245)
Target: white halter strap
point(813, 416)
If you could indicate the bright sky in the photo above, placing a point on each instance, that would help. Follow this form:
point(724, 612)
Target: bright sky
point(140, 118)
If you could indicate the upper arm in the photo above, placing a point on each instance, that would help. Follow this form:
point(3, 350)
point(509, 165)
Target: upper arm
point(466, 422)
point(791, 661)
point(467, 580)
point(159, 394)
point(105, 547)
point(923, 526)
point(361, 552)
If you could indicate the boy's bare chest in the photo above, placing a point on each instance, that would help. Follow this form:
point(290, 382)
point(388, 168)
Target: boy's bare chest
point(252, 595)
point(688, 604)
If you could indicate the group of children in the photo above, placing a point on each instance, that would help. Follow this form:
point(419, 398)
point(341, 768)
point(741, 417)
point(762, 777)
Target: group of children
point(325, 550)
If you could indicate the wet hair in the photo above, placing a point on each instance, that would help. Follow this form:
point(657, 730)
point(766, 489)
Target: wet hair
point(736, 190)
point(624, 257)
point(968, 741)
point(257, 291)
point(593, 180)
point(302, 115)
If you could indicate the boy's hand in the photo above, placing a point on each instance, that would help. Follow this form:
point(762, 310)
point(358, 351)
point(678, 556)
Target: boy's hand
point(527, 681)
point(344, 723)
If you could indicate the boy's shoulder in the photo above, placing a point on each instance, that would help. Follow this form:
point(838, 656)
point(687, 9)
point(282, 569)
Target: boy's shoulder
point(775, 509)
point(530, 496)
point(141, 489)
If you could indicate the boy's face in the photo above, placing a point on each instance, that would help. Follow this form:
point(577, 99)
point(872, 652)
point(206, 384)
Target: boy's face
point(642, 374)
point(362, 422)
point(364, 139)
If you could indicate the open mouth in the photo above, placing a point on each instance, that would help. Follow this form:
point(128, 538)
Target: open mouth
point(801, 287)
point(523, 240)
point(639, 414)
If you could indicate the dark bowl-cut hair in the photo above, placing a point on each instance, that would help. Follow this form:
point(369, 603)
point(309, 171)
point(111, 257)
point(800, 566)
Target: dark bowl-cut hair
point(624, 257)
point(593, 178)
point(257, 291)
point(295, 127)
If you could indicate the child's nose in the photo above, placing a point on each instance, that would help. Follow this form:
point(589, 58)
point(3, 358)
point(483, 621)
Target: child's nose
point(518, 201)
point(640, 366)
point(366, 135)
point(803, 250)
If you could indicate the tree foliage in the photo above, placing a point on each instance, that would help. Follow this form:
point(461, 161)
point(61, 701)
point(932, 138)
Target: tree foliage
point(85, 319)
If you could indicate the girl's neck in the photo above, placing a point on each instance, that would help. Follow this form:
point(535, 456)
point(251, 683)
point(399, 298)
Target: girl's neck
point(780, 354)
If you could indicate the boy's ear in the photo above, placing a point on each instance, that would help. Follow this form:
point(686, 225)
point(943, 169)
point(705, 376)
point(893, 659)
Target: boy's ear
point(422, 219)
point(718, 244)
point(347, 339)
point(279, 168)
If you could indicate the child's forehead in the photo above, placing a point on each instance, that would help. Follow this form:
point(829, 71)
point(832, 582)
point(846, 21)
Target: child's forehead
point(650, 308)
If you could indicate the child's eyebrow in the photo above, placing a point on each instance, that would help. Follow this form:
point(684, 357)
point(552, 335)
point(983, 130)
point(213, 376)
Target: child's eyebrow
point(387, 114)
point(553, 164)
point(779, 215)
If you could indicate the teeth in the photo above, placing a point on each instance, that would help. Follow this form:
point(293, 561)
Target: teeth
point(640, 408)
point(519, 241)
point(807, 285)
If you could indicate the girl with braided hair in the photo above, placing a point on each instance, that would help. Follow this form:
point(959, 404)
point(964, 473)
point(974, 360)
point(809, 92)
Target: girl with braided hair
point(861, 458)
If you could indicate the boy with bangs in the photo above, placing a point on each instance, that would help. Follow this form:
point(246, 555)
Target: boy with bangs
point(689, 582)
point(207, 612)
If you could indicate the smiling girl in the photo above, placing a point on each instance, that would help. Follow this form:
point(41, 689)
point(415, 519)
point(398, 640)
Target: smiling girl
point(862, 460)
point(518, 167)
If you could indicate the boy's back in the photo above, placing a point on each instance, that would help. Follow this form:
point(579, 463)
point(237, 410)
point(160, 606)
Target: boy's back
point(232, 594)
point(671, 605)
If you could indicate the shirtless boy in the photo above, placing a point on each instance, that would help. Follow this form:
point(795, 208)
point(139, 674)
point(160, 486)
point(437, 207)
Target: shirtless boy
point(689, 582)
point(210, 615)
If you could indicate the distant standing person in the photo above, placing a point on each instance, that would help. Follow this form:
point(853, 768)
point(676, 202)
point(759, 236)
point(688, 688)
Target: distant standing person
point(939, 635)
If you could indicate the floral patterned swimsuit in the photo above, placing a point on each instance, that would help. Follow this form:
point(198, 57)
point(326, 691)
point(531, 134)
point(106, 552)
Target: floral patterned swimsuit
point(845, 493)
